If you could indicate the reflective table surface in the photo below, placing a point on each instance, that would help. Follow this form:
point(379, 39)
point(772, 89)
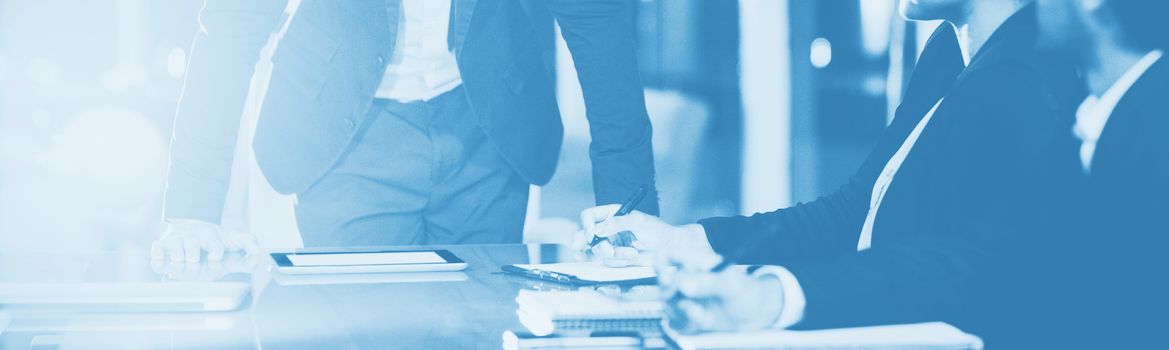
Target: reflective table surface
point(451, 310)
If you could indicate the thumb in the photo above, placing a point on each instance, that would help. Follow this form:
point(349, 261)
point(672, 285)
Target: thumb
point(617, 224)
point(581, 240)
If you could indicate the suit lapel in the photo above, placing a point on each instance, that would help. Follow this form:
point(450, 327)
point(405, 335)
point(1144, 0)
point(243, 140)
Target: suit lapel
point(461, 12)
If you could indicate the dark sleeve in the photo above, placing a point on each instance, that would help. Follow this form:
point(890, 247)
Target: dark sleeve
point(601, 37)
point(820, 229)
point(828, 226)
point(222, 61)
point(985, 154)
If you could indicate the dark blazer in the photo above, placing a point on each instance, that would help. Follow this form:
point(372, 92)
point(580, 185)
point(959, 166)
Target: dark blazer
point(328, 65)
point(1120, 250)
point(951, 203)
point(1099, 279)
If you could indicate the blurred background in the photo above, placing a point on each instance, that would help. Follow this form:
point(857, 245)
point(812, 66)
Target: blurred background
point(756, 104)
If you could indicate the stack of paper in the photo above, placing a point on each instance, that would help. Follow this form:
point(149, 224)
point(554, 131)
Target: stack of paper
point(543, 312)
point(920, 336)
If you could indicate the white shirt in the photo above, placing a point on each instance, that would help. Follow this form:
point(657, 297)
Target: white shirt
point(422, 65)
point(793, 296)
point(1094, 112)
point(881, 186)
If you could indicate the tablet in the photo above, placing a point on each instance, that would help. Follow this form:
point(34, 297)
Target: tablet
point(367, 261)
point(368, 278)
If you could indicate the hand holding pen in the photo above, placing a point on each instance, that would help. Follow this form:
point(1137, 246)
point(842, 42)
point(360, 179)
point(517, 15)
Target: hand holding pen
point(619, 233)
point(605, 235)
point(622, 238)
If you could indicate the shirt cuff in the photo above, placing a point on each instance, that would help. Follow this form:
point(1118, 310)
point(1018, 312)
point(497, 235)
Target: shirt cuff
point(793, 296)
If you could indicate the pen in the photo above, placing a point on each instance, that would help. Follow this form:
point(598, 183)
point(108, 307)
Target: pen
point(623, 238)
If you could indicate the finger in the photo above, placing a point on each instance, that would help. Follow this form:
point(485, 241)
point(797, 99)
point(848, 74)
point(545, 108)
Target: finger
point(591, 216)
point(211, 243)
point(192, 249)
point(617, 262)
point(158, 266)
point(698, 318)
point(246, 243)
point(249, 245)
point(232, 241)
point(644, 259)
point(237, 264)
point(639, 245)
point(211, 271)
point(666, 276)
point(581, 255)
point(699, 285)
point(157, 251)
point(251, 261)
point(190, 271)
point(715, 317)
point(672, 257)
point(174, 248)
point(581, 240)
point(663, 260)
point(736, 283)
point(622, 257)
point(604, 250)
point(627, 253)
point(617, 224)
point(175, 270)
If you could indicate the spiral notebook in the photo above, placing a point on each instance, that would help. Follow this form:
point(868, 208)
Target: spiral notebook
point(547, 311)
point(585, 273)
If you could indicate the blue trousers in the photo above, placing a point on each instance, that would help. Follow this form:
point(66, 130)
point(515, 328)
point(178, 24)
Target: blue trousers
point(418, 173)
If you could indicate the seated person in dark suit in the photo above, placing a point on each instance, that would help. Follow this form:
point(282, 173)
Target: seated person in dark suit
point(900, 242)
point(1099, 277)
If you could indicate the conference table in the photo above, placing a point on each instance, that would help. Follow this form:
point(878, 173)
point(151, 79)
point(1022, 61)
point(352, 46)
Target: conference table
point(470, 309)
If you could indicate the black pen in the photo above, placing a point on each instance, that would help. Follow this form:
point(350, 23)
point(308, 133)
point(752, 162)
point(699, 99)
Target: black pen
point(623, 238)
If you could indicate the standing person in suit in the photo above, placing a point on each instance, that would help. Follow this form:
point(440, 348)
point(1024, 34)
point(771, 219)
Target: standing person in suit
point(901, 241)
point(401, 121)
point(1100, 281)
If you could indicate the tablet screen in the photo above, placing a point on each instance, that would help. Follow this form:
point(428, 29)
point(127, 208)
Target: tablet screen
point(379, 258)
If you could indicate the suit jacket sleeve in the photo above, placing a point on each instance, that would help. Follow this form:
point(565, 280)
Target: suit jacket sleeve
point(222, 61)
point(826, 227)
point(601, 37)
point(989, 153)
point(817, 230)
point(831, 225)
